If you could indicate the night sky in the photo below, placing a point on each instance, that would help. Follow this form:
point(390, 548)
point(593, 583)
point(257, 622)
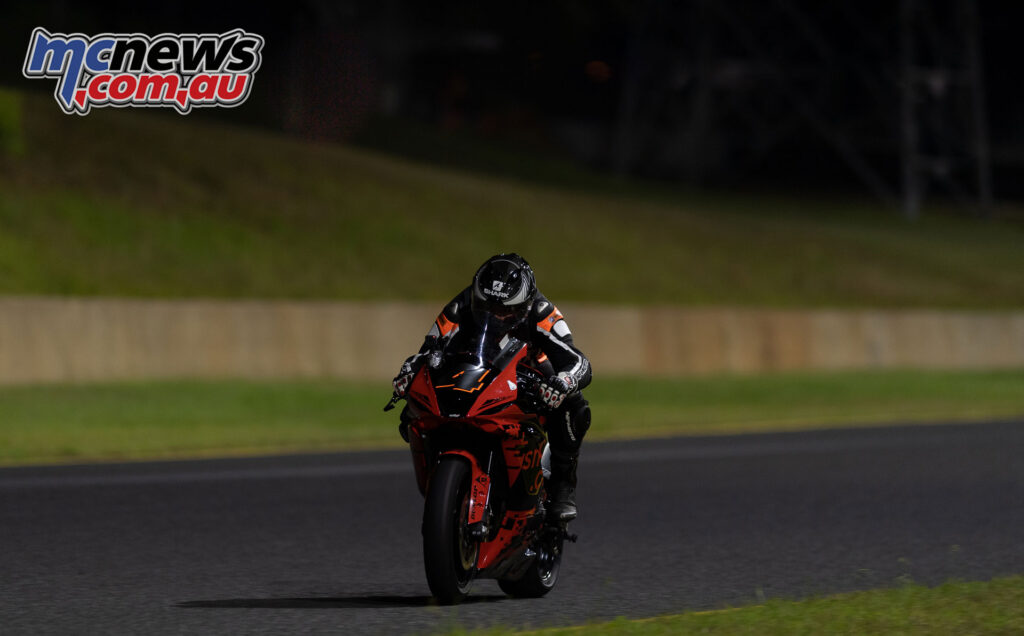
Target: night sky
point(558, 78)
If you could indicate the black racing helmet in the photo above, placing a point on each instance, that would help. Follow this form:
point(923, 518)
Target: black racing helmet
point(503, 291)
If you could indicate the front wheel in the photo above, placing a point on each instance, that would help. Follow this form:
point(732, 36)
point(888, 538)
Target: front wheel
point(449, 552)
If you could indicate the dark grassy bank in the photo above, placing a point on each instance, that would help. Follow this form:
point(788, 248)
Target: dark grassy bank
point(148, 203)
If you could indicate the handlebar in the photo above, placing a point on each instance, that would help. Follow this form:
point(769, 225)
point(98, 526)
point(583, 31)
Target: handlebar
point(391, 403)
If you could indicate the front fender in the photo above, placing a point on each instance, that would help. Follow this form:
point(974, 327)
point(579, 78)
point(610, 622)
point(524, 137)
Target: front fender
point(480, 487)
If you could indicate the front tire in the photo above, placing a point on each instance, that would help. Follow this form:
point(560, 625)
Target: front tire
point(449, 553)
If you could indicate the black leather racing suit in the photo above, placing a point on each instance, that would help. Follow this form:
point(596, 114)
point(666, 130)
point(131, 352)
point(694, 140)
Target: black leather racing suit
point(550, 342)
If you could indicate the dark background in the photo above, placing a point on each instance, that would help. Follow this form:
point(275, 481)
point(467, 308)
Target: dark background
point(778, 94)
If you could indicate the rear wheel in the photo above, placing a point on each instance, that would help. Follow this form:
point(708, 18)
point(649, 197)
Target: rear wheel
point(449, 553)
point(541, 576)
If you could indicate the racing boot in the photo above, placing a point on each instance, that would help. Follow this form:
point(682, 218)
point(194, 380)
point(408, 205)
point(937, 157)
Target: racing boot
point(562, 487)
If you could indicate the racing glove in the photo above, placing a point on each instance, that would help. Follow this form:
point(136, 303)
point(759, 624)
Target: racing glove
point(555, 389)
point(402, 380)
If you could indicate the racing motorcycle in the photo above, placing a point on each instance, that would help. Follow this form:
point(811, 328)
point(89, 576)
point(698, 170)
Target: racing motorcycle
point(480, 454)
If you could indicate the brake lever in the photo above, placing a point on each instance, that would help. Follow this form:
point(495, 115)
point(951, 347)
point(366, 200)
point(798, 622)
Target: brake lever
point(391, 404)
point(530, 393)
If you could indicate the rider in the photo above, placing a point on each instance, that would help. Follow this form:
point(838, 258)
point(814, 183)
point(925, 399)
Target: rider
point(504, 287)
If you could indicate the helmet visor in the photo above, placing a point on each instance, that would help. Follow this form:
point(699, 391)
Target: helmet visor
point(494, 314)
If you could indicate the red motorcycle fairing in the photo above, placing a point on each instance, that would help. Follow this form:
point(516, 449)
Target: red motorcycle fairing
point(421, 391)
point(509, 538)
point(471, 411)
point(522, 449)
point(519, 455)
point(480, 492)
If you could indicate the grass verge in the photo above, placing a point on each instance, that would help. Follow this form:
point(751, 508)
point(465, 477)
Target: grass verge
point(992, 607)
point(193, 418)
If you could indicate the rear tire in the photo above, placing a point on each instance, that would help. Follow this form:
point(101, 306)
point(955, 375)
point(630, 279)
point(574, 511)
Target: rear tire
point(449, 554)
point(541, 576)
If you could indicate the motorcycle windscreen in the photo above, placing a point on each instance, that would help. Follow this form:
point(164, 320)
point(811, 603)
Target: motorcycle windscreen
point(472, 361)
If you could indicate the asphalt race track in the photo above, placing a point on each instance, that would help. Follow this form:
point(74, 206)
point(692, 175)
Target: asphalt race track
point(331, 543)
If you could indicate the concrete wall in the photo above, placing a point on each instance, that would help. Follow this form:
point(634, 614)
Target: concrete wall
point(59, 340)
